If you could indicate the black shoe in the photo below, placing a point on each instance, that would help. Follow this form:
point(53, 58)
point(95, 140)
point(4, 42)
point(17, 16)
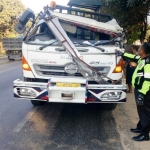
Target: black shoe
point(135, 130)
point(141, 137)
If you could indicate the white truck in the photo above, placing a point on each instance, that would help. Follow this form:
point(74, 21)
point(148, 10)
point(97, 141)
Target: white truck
point(66, 60)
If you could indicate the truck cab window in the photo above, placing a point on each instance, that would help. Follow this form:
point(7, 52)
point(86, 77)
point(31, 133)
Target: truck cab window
point(84, 34)
point(43, 36)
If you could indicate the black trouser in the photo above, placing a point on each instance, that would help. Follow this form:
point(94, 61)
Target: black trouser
point(144, 114)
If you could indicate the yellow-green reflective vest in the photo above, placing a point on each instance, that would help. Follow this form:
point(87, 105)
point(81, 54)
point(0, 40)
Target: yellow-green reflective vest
point(141, 75)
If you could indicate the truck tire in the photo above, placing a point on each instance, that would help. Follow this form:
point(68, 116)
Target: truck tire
point(10, 59)
point(37, 103)
point(109, 106)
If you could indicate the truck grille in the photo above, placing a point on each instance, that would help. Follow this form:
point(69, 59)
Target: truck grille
point(47, 70)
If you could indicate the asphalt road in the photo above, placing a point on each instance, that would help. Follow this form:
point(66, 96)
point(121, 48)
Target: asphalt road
point(52, 126)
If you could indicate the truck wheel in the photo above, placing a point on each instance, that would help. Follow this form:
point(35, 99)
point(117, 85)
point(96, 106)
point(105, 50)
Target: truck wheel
point(109, 106)
point(37, 103)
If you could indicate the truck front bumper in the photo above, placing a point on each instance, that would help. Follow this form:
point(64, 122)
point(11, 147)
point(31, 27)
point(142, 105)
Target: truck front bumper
point(85, 93)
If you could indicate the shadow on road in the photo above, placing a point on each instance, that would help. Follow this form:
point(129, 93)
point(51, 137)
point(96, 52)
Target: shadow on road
point(68, 127)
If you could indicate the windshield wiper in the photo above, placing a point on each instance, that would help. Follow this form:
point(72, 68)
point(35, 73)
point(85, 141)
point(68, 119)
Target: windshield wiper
point(99, 48)
point(42, 47)
point(110, 41)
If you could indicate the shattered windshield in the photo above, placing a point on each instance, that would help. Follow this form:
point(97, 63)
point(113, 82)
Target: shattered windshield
point(42, 35)
point(41, 42)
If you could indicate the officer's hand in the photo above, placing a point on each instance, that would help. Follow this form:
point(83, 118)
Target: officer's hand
point(118, 53)
point(140, 99)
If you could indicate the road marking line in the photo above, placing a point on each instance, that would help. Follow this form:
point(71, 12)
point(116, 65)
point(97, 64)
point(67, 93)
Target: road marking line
point(8, 65)
point(7, 70)
point(23, 122)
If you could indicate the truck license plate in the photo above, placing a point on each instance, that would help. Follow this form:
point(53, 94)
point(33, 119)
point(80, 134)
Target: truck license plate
point(68, 85)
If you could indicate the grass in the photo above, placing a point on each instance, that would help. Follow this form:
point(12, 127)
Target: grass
point(2, 54)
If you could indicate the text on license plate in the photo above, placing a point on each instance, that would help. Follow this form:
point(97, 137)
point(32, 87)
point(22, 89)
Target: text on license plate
point(68, 85)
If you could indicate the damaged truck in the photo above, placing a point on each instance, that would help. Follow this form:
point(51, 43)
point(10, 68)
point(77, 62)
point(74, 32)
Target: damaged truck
point(70, 57)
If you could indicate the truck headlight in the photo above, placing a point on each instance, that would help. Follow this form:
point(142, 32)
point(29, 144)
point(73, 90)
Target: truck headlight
point(111, 96)
point(26, 92)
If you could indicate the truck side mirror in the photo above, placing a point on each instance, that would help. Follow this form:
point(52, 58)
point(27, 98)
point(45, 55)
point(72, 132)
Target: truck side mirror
point(20, 27)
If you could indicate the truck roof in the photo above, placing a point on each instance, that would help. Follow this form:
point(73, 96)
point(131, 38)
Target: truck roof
point(88, 23)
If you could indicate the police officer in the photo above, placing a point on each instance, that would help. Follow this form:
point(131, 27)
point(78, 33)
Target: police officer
point(141, 83)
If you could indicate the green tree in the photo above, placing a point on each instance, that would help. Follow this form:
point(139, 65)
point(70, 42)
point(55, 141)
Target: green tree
point(9, 10)
point(148, 35)
point(131, 15)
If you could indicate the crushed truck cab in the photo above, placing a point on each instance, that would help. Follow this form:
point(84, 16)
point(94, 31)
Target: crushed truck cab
point(65, 59)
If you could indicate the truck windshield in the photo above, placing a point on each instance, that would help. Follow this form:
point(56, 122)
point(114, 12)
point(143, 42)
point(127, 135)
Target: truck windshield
point(44, 35)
